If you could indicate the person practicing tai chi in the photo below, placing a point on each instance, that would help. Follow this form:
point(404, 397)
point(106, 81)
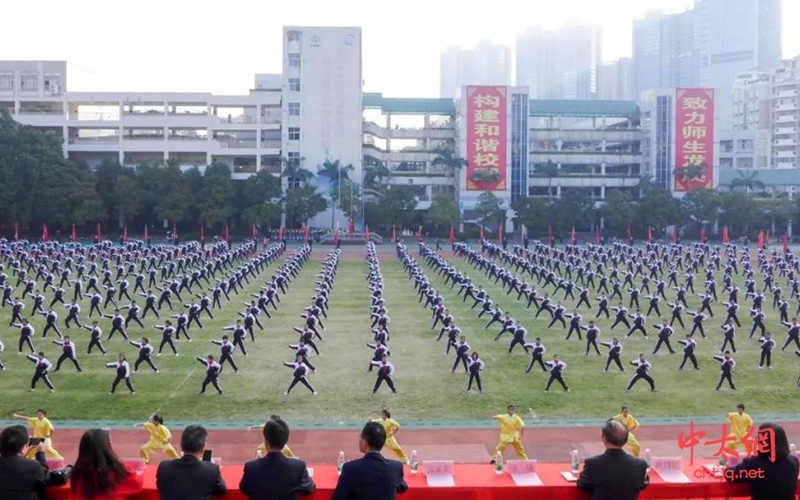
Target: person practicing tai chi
point(556, 370)
point(537, 351)
point(689, 346)
point(68, 352)
point(159, 439)
point(726, 364)
point(40, 372)
point(729, 334)
point(767, 345)
point(145, 354)
point(512, 429)
point(630, 423)
point(614, 351)
point(794, 334)
point(226, 352)
point(42, 429)
point(642, 369)
point(123, 370)
point(300, 370)
point(664, 333)
point(475, 366)
point(462, 354)
point(740, 424)
point(391, 427)
point(212, 373)
point(385, 374)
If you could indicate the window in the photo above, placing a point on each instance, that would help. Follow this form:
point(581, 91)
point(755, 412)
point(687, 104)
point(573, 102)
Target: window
point(29, 82)
point(294, 36)
point(294, 60)
point(294, 109)
point(294, 133)
point(293, 156)
point(6, 81)
point(294, 84)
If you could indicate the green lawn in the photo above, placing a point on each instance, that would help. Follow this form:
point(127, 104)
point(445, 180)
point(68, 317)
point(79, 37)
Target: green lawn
point(427, 390)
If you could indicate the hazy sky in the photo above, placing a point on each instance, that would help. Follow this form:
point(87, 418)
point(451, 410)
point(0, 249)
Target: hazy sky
point(205, 46)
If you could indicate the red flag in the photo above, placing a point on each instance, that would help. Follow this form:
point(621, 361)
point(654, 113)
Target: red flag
point(760, 241)
point(597, 234)
point(227, 234)
point(202, 232)
point(550, 234)
point(725, 234)
point(419, 233)
point(366, 232)
point(674, 235)
point(16, 232)
point(766, 238)
point(703, 234)
point(99, 233)
point(572, 235)
point(124, 231)
point(394, 234)
point(628, 232)
point(452, 236)
point(785, 243)
point(350, 226)
point(146, 237)
point(74, 233)
point(649, 234)
point(255, 232)
point(481, 237)
point(500, 234)
point(45, 232)
point(305, 235)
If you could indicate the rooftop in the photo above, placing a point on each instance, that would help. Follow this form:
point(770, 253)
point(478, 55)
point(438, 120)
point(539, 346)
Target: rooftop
point(569, 107)
point(398, 105)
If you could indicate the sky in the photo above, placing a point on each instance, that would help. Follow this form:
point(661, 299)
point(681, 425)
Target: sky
point(217, 47)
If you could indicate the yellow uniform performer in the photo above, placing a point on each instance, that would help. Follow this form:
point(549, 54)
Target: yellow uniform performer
point(739, 425)
point(631, 424)
point(42, 428)
point(159, 441)
point(261, 449)
point(510, 425)
point(391, 427)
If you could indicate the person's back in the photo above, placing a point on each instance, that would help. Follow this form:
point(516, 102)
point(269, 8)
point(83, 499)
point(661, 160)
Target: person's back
point(275, 477)
point(188, 478)
point(20, 478)
point(775, 480)
point(99, 474)
point(614, 475)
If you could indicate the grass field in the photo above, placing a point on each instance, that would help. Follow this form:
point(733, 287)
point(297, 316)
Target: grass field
point(427, 390)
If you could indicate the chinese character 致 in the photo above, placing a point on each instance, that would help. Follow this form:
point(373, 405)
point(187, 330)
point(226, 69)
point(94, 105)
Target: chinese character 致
point(487, 115)
point(484, 129)
point(487, 160)
point(724, 450)
point(694, 132)
point(693, 146)
point(692, 440)
point(694, 103)
point(486, 101)
point(695, 118)
point(486, 145)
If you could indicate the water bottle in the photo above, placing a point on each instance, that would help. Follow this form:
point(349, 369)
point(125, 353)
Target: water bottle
point(647, 457)
point(498, 464)
point(793, 449)
point(340, 463)
point(413, 464)
point(575, 460)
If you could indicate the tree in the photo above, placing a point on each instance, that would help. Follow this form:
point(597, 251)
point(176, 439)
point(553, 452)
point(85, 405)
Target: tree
point(573, 209)
point(216, 195)
point(690, 172)
point(747, 181)
point(176, 198)
point(127, 197)
point(444, 211)
point(399, 201)
point(739, 211)
point(349, 196)
point(150, 180)
point(550, 170)
point(296, 175)
point(702, 205)
point(485, 177)
point(337, 175)
point(452, 163)
point(105, 175)
point(489, 208)
point(530, 211)
point(302, 204)
point(261, 198)
point(659, 210)
point(618, 209)
point(374, 177)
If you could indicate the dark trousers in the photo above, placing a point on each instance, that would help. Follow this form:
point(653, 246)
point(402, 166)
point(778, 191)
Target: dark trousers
point(25, 339)
point(615, 359)
point(725, 376)
point(463, 360)
point(725, 343)
point(476, 376)
point(534, 360)
point(638, 377)
point(120, 378)
point(165, 341)
point(227, 357)
point(144, 359)
point(380, 380)
point(766, 355)
point(689, 357)
point(665, 341)
point(41, 376)
point(65, 357)
point(553, 378)
point(47, 328)
point(210, 380)
point(302, 380)
point(117, 329)
point(590, 343)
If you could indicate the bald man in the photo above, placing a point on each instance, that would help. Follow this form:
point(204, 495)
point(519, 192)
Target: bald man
point(614, 475)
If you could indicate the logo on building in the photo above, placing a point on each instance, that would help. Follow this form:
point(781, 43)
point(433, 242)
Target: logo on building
point(316, 41)
point(349, 39)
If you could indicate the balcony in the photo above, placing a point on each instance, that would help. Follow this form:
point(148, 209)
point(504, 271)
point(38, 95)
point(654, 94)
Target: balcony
point(271, 144)
point(586, 135)
point(786, 119)
point(784, 142)
point(586, 157)
point(785, 131)
point(789, 106)
point(446, 131)
point(789, 153)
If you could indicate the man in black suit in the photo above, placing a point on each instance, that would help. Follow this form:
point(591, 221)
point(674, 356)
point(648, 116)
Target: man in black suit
point(275, 477)
point(189, 476)
point(614, 475)
point(372, 477)
point(20, 477)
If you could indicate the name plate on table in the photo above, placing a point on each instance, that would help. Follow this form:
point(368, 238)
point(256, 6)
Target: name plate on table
point(439, 473)
point(670, 469)
point(523, 472)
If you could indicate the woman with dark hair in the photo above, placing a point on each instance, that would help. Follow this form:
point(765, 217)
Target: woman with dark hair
point(99, 474)
point(770, 479)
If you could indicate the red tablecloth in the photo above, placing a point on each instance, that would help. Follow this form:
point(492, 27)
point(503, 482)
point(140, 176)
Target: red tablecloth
point(477, 482)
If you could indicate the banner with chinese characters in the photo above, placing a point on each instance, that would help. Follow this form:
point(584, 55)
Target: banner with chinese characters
point(694, 139)
point(486, 138)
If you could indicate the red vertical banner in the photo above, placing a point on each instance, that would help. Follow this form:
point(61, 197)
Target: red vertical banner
point(487, 136)
point(124, 231)
point(760, 241)
point(452, 236)
point(674, 235)
point(16, 231)
point(74, 233)
point(649, 234)
point(280, 234)
point(146, 235)
point(99, 233)
point(419, 233)
point(694, 138)
point(703, 234)
point(227, 234)
point(336, 235)
point(305, 235)
point(45, 232)
point(255, 232)
point(500, 234)
point(572, 235)
point(202, 232)
point(725, 234)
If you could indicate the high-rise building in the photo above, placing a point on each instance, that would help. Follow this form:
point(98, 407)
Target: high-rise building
point(484, 64)
point(663, 52)
point(616, 80)
point(785, 115)
point(752, 100)
point(561, 64)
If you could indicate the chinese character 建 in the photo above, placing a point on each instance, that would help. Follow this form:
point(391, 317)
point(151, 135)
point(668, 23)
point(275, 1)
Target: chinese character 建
point(487, 115)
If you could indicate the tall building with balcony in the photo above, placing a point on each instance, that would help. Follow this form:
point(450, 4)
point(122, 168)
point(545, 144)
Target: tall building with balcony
point(560, 64)
point(747, 145)
point(663, 52)
point(616, 80)
point(484, 64)
point(786, 115)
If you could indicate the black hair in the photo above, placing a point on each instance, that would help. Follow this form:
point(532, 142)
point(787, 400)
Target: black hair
point(780, 445)
point(97, 470)
point(615, 433)
point(374, 434)
point(193, 439)
point(12, 439)
point(158, 418)
point(276, 433)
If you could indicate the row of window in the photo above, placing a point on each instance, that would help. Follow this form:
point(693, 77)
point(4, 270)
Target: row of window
point(29, 82)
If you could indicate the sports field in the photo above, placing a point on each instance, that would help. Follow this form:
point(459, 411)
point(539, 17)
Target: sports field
point(426, 389)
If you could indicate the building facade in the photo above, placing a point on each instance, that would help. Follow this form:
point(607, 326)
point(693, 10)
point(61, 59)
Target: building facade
point(663, 51)
point(616, 80)
point(484, 64)
point(786, 115)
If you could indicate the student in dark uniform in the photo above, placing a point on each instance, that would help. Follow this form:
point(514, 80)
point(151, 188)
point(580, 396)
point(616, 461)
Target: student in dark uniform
point(145, 354)
point(726, 364)
point(664, 333)
point(226, 352)
point(767, 345)
point(794, 334)
point(475, 366)
point(556, 369)
point(40, 372)
point(729, 334)
point(299, 375)
point(51, 321)
point(26, 332)
point(642, 369)
point(96, 336)
point(614, 351)
point(123, 373)
point(385, 374)
point(537, 351)
point(462, 350)
point(689, 346)
point(167, 331)
point(117, 322)
point(68, 353)
point(212, 373)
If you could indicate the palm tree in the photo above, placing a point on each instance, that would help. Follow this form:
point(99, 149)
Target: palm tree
point(336, 174)
point(374, 176)
point(691, 172)
point(447, 158)
point(294, 172)
point(551, 171)
point(485, 177)
point(748, 179)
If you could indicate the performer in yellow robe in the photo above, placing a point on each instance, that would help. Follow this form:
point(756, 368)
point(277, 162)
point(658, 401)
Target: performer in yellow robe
point(42, 429)
point(740, 423)
point(511, 430)
point(159, 439)
point(626, 419)
point(391, 427)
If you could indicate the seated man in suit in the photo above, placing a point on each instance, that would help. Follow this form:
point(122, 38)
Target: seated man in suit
point(614, 475)
point(21, 478)
point(275, 477)
point(189, 476)
point(372, 477)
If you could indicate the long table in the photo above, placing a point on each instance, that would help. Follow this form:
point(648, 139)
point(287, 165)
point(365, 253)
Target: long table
point(477, 482)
